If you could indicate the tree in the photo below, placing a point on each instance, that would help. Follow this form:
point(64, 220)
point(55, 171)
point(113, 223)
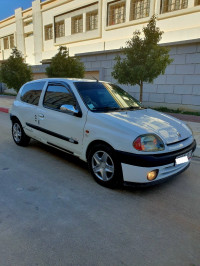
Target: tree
point(144, 59)
point(14, 72)
point(62, 65)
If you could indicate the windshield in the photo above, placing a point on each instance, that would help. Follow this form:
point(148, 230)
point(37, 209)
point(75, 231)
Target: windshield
point(99, 96)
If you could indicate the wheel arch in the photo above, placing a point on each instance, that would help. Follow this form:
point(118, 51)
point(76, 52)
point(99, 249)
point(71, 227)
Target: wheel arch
point(96, 142)
point(14, 118)
point(116, 179)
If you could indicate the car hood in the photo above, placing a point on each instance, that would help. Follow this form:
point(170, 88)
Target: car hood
point(147, 121)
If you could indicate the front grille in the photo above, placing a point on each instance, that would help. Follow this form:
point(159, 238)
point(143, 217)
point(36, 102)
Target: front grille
point(176, 142)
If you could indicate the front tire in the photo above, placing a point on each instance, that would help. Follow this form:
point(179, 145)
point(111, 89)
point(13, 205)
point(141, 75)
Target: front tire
point(18, 134)
point(104, 166)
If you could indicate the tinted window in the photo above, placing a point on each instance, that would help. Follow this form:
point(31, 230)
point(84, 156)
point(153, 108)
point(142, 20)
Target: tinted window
point(31, 92)
point(58, 95)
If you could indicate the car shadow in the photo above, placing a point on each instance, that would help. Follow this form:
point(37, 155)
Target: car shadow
point(56, 152)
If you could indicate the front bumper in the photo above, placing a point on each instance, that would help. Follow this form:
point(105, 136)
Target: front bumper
point(135, 166)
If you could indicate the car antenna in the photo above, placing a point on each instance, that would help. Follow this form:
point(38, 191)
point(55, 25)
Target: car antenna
point(95, 78)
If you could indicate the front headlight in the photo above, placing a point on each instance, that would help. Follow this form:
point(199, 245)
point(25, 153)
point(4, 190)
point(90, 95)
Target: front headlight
point(148, 142)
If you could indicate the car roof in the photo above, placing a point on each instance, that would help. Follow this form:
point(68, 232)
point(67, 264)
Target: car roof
point(68, 80)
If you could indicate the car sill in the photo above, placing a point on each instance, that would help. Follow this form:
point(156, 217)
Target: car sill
point(53, 145)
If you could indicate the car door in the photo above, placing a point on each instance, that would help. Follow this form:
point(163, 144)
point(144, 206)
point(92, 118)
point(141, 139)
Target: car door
point(61, 129)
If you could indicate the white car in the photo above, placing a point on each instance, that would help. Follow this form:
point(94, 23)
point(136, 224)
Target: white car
point(104, 126)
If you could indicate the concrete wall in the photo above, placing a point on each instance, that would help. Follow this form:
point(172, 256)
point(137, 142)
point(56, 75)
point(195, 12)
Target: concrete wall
point(178, 88)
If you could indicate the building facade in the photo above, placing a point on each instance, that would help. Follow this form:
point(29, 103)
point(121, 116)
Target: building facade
point(95, 30)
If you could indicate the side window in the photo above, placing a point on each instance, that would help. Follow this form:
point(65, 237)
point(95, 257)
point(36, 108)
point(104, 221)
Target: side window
point(56, 96)
point(31, 92)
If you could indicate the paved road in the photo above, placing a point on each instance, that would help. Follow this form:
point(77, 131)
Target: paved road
point(53, 213)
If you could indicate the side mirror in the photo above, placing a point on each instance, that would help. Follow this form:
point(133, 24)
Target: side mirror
point(67, 108)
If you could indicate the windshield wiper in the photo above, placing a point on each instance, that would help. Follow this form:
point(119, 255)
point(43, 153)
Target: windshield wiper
point(106, 108)
point(132, 108)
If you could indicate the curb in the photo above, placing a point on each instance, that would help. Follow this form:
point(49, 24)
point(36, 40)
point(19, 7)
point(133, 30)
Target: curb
point(4, 110)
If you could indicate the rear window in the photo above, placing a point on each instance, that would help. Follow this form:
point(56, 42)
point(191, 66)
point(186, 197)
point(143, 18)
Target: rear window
point(31, 92)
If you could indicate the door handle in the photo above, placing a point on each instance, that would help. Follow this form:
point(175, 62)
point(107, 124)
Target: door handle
point(41, 115)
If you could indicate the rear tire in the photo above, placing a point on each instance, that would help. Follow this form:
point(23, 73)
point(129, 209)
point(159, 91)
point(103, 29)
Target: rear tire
point(18, 134)
point(104, 166)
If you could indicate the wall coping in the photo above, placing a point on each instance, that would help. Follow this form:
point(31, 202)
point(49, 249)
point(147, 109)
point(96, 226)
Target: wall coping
point(118, 50)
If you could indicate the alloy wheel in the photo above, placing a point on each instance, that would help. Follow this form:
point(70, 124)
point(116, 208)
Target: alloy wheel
point(102, 165)
point(17, 133)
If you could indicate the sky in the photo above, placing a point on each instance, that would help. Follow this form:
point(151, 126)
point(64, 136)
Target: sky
point(7, 7)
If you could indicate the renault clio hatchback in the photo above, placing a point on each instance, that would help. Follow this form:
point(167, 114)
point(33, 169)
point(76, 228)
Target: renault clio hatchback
point(105, 126)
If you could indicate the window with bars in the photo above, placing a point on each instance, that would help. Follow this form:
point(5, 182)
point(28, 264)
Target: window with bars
point(60, 29)
point(116, 13)
point(92, 20)
point(139, 9)
point(48, 31)
point(197, 2)
point(77, 24)
point(6, 43)
point(12, 43)
point(172, 5)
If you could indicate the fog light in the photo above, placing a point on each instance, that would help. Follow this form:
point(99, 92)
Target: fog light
point(152, 175)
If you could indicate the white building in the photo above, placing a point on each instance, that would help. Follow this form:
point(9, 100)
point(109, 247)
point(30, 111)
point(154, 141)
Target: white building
point(95, 30)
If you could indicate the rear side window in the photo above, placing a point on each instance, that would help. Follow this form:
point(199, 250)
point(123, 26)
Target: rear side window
point(58, 95)
point(31, 92)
